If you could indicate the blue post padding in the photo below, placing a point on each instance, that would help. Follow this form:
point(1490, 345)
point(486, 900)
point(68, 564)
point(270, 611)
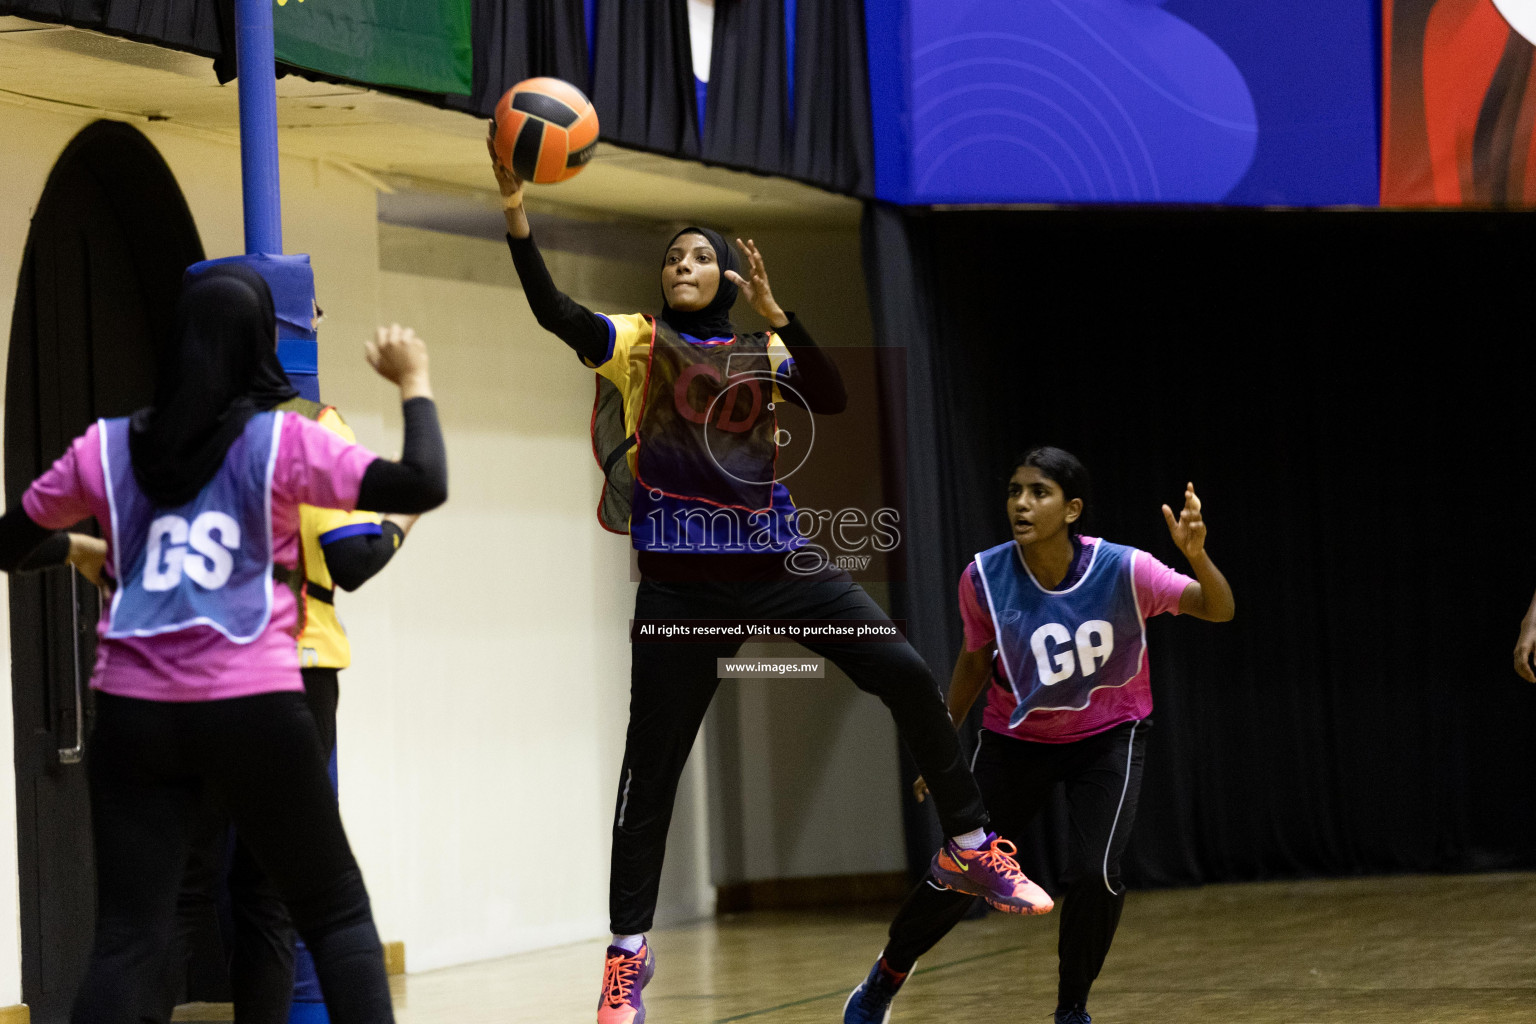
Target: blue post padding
point(308, 385)
point(299, 357)
point(258, 126)
point(292, 282)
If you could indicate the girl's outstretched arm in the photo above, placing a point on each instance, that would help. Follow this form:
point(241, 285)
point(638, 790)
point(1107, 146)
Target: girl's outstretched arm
point(576, 325)
point(1210, 596)
point(418, 480)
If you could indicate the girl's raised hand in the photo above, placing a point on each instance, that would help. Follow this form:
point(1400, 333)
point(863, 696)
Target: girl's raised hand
point(1189, 529)
point(400, 357)
point(756, 289)
point(507, 181)
point(1525, 652)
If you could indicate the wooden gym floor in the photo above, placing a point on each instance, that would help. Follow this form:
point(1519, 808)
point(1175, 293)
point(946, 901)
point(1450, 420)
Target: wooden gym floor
point(1404, 950)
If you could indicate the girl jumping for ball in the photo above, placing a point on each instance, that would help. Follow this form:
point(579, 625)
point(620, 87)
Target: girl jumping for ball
point(713, 530)
point(1054, 632)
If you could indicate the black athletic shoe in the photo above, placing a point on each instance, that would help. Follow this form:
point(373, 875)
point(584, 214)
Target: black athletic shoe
point(1073, 1015)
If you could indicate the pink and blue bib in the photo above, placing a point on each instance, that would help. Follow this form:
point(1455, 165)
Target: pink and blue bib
point(205, 563)
point(1058, 647)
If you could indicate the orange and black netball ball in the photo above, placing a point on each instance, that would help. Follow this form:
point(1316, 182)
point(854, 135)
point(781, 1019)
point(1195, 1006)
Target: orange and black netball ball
point(546, 130)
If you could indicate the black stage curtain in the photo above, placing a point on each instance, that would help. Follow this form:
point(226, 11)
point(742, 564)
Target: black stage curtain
point(195, 26)
point(834, 125)
point(1349, 391)
point(642, 81)
point(518, 39)
point(512, 39)
point(746, 115)
point(826, 137)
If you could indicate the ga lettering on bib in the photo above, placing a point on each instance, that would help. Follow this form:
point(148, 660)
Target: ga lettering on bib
point(205, 563)
point(1058, 647)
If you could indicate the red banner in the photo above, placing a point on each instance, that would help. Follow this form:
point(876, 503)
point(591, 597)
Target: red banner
point(1458, 102)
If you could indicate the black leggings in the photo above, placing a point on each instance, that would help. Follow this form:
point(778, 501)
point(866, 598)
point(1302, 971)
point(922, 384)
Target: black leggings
point(1102, 775)
point(257, 933)
point(671, 685)
point(149, 765)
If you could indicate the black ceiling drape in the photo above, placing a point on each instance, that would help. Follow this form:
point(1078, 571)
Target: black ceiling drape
point(190, 25)
point(642, 82)
point(834, 135)
point(746, 120)
point(827, 137)
point(518, 39)
point(641, 78)
point(1348, 392)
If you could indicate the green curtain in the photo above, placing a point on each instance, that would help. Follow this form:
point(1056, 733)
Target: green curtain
point(410, 44)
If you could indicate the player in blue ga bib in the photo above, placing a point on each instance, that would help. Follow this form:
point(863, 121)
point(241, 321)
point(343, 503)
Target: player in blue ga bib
point(1058, 646)
point(207, 562)
point(1055, 636)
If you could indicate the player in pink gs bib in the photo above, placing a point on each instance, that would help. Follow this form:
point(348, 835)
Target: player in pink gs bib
point(197, 674)
point(1055, 622)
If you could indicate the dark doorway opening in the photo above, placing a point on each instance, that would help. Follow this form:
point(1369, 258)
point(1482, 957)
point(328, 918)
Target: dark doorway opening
point(109, 241)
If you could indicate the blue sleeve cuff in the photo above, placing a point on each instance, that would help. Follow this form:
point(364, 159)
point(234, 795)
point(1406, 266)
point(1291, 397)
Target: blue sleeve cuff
point(350, 530)
point(612, 333)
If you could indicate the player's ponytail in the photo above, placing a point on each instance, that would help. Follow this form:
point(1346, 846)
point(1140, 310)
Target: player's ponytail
point(1066, 470)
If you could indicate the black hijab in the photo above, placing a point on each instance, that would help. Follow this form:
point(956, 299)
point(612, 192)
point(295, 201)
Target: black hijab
point(271, 387)
point(714, 320)
point(216, 370)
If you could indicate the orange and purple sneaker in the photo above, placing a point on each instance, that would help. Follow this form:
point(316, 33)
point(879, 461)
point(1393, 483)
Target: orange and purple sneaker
point(991, 873)
point(624, 975)
point(870, 1003)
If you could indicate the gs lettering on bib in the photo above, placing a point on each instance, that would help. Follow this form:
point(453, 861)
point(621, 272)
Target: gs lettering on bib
point(1058, 647)
point(205, 563)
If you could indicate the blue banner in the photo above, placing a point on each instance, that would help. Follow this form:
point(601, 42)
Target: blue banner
point(1083, 101)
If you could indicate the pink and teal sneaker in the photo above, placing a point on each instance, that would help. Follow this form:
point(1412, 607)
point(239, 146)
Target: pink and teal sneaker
point(991, 873)
point(624, 975)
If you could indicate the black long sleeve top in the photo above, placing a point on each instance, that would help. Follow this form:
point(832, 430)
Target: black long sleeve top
point(812, 375)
